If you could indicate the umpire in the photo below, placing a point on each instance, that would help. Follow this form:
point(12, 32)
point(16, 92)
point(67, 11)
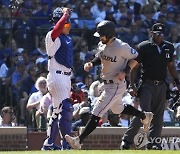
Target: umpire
point(155, 55)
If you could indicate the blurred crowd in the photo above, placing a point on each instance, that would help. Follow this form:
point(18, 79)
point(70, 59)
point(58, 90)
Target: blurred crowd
point(23, 58)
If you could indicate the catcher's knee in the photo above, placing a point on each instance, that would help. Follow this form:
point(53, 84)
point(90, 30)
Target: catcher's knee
point(55, 114)
point(66, 117)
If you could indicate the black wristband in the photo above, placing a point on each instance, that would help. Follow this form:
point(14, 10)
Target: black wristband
point(127, 69)
point(177, 81)
point(96, 61)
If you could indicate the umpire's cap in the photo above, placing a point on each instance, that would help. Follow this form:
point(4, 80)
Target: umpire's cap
point(105, 28)
point(57, 14)
point(158, 28)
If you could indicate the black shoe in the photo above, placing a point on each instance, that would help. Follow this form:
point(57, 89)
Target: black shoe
point(125, 145)
point(154, 147)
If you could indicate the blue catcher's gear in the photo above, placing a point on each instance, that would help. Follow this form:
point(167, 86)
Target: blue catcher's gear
point(52, 147)
point(64, 124)
point(64, 54)
point(57, 14)
point(52, 131)
point(65, 120)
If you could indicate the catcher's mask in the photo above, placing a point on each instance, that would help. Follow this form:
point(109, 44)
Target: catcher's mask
point(57, 14)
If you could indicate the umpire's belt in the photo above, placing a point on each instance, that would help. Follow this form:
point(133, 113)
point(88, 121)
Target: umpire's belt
point(108, 81)
point(64, 73)
point(156, 82)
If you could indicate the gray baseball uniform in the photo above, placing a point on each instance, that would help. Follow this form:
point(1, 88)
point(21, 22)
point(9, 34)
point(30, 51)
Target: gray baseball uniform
point(114, 58)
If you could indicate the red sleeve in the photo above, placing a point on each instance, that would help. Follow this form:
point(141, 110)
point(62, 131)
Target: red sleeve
point(58, 27)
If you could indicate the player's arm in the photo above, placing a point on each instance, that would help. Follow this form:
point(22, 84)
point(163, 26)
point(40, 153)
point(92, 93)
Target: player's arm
point(130, 65)
point(96, 61)
point(60, 24)
point(130, 54)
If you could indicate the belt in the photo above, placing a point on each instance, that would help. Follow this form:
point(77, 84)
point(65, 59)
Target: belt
point(64, 73)
point(108, 81)
point(156, 82)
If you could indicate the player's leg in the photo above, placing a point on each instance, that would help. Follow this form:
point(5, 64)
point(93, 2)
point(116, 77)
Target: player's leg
point(54, 88)
point(65, 120)
point(52, 130)
point(102, 105)
point(75, 142)
point(90, 127)
point(128, 138)
point(118, 107)
point(146, 117)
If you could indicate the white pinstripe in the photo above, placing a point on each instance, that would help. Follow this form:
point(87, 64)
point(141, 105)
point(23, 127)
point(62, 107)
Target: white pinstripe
point(59, 86)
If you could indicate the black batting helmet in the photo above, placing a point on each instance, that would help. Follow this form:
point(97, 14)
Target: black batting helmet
point(57, 14)
point(105, 28)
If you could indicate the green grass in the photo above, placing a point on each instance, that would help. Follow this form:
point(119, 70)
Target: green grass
point(93, 152)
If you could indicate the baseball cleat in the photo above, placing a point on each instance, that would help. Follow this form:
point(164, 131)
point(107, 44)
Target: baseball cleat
point(147, 121)
point(73, 142)
point(51, 147)
point(154, 147)
point(125, 145)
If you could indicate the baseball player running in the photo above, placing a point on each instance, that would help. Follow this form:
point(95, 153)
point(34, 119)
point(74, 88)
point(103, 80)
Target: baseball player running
point(60, 51)
point(116, 59)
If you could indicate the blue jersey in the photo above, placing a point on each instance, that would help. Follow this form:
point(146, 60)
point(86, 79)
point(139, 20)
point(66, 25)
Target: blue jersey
point(64, 55)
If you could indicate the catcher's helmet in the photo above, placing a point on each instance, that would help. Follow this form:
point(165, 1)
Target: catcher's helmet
point(57, 14)
point(105, 28)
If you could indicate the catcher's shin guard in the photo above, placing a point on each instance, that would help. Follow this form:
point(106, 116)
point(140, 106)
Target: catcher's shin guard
point(52, 130)
point(65, 120)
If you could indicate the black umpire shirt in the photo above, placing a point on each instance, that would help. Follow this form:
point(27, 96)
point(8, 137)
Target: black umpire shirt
point(154, 59)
